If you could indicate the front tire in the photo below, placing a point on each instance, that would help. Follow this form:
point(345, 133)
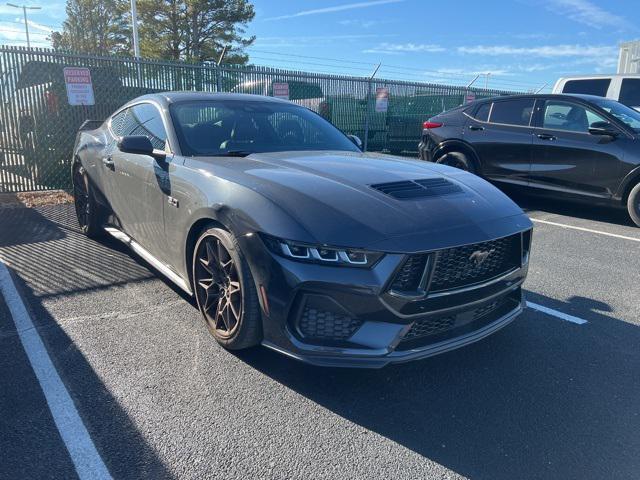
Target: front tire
point(633, 204)
point(88, 211)
point(457, 160)
point(225, 290)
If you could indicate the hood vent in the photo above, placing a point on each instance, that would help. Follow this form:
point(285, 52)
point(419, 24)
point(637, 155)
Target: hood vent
point(409, 189)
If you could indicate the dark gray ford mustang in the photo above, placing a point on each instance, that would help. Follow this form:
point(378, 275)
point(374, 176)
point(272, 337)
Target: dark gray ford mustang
point(290, 237)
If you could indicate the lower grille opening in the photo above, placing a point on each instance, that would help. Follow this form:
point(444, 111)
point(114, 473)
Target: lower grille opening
point(319, 318)
point(441, 327)
point(408, 278)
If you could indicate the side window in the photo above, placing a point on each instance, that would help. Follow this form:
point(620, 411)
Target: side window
point(569, 117)
point(512, 112)
point(630, 92)
point(144, 119)
point(594, 86)
point(482, 113)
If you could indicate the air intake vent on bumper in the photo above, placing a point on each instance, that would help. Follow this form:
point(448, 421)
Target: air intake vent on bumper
point(409, 189)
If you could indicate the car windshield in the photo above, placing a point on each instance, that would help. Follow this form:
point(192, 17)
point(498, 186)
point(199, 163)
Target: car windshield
point(623, 113)
point(238, 128)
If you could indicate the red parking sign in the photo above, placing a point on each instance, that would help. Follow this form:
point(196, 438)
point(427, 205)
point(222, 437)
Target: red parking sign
point(79, 86)
point(281, 90)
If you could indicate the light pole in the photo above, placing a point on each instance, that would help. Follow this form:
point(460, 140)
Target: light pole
point(26, 23)
point(134, 28)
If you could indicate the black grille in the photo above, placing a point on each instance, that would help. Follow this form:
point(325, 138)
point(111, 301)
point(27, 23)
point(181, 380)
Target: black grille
point(409, 276)
point(439, 327)
point(325, 325)
point(409, 189)
point(432, 326)
point(470, 264)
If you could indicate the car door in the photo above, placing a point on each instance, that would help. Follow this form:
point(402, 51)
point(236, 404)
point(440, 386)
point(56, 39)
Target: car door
point(566, 157)
point(502, 142)
point(139, 182)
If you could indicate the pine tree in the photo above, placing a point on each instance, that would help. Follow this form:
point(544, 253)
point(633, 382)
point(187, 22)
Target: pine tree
point(96, 27)
point(195, 30)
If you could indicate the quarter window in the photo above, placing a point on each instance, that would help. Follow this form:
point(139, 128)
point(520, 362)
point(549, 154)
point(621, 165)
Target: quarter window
point(630, 92)
point(512, 112)
point(482, 114)
point(569, 117)
point(145, 119)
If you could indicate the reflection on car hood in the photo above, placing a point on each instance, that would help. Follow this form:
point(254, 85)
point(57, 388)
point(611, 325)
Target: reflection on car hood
point(330, 194)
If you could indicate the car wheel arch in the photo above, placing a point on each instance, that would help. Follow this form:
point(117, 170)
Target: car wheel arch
point(631, 180)
point(449, 146)
point(197, 227)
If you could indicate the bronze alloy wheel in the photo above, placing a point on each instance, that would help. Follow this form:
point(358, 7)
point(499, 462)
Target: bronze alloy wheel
point(218, 287)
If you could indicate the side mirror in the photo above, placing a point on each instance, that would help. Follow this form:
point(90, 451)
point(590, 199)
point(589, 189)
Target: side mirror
point(603, 128)
point(137, 144)
point(356, 140)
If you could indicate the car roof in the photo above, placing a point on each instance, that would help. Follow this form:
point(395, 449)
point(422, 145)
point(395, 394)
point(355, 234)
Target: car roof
point(582, 96)
point(599, 75)
point(168, 98)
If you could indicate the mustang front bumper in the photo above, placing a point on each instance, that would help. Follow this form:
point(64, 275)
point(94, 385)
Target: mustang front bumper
point(340, 316)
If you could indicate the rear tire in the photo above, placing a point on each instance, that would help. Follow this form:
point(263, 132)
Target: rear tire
point(225, 290)
point(88, 210)
point(633, 204)
point(457, 160)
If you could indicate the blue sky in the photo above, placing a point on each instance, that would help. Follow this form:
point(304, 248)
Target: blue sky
point(523, 44)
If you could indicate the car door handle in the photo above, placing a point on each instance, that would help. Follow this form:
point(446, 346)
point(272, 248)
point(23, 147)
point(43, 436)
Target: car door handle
point(545, 136)
point(475, 127)
point(108, 162)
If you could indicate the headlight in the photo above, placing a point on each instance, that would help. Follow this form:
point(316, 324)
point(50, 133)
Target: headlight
point(322, 254)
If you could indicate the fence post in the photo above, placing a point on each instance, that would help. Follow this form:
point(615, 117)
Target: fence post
point(368, 111)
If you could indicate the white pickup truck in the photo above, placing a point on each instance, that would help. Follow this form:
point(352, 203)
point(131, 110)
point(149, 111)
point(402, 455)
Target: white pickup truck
point(625, 88)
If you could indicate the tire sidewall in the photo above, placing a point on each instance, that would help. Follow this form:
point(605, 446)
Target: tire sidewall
point(459, 157)
point(93, 228)
point(633, 204)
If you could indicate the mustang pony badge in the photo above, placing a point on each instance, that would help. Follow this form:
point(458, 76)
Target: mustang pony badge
point(478, 257)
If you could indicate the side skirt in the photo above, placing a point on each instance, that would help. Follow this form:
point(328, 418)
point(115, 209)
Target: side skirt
point(148, 257)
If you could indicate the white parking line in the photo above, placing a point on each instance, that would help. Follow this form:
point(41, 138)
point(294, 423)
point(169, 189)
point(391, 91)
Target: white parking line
point(556, 313)
point(85, 457)
point(585, 230)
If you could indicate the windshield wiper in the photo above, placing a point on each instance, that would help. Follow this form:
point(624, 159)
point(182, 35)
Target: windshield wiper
point(235, 153)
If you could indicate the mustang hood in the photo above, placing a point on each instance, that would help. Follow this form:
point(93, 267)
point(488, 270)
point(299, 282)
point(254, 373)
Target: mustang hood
point(331, 195)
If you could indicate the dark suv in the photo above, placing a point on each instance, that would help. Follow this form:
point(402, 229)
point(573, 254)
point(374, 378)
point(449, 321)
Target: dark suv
point(581, 146)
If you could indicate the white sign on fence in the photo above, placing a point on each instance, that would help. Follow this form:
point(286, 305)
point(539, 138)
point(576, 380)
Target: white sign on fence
point(281, 90)
point(79, 86)
point(382, 99)
point(470, 97)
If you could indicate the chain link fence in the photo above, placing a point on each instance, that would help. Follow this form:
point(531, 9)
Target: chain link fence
point(38, 124)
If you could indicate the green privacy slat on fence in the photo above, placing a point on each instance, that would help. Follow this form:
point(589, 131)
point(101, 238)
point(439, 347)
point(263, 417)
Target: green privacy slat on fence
point(38, 126)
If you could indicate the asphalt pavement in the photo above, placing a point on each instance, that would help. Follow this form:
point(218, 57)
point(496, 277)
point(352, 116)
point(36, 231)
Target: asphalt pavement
point(545, 398)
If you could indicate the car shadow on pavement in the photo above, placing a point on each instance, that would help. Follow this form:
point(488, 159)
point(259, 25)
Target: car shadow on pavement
point(24, 226)
point(48, 249)
point(543, 398)
point(56, 262)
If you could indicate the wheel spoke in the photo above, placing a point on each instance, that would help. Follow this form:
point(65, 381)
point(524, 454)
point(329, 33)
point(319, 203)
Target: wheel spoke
point(234, 310)
point(211, 299)
point(205, 283)
point(234, 287)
